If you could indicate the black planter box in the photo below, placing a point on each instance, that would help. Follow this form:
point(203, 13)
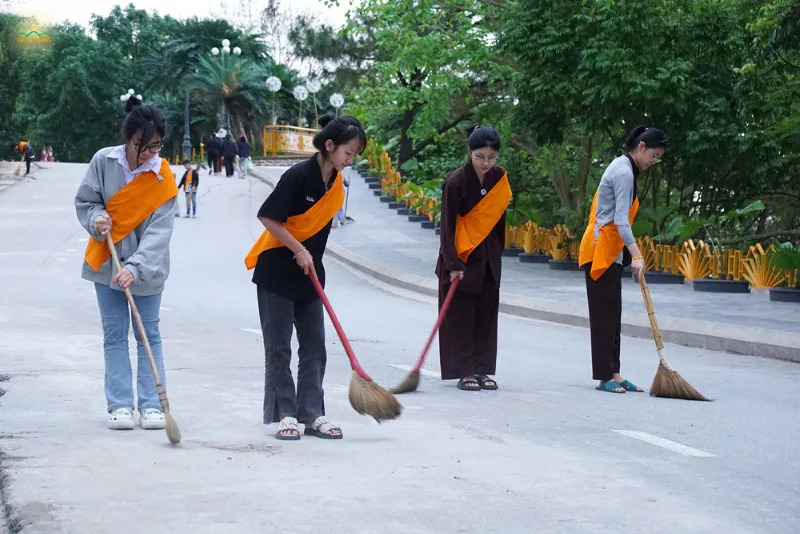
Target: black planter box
point(395, 205)
point(403, 211)
point(371, 181)
point(512, 252)
point(375, 185)
point(655, 277)
point(378, 192)
point(784, 294)
point(428, 225)
point(387, 200)
point(563, 265)
point(534, 258)
point(711, 285)
point(417, 218)
point(438, 231)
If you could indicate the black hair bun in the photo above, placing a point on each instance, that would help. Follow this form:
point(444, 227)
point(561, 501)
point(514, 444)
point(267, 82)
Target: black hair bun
point(132, 102)
point(326, 120)
point(471, 129)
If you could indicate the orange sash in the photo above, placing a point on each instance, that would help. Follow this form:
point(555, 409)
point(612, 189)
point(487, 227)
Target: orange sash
point(477, 224)
point(189, 179)
point(304, 225)
point(130, 206)
point(22, 145)
point(609, 244)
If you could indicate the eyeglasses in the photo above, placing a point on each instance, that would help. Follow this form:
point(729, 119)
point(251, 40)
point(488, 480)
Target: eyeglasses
point(154, 149)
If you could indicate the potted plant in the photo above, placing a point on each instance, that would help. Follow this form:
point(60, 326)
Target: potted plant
point(732, 219)
point(787, 258)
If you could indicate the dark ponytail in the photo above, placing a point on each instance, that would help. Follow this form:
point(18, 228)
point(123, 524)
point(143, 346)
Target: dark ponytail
point(651, 137)
point(340, 130)
point(142, 118)
point(483, 137)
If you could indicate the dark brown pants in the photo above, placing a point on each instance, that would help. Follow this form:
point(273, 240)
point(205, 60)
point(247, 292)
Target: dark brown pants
point(468, 335)
point(605, 320)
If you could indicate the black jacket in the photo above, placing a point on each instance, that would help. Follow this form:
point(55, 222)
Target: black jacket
point(228, 149)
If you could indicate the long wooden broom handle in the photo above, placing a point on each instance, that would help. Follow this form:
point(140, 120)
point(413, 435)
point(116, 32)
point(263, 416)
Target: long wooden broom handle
point(337, 325)
point(445, 305)
point(651, 314)
point(162, 395)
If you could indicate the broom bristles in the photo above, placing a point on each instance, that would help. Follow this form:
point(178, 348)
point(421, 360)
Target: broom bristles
point(668, 384)
point(368, 398)
point(173, 432)
point(408, 385)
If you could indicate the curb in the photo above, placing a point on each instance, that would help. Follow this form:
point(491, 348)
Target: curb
point(761, 342)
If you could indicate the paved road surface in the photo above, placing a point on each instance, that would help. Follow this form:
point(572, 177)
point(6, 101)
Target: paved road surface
point(546, 453)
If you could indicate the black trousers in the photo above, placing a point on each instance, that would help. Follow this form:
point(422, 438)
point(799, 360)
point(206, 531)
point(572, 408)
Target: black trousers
point(228, 166)
point(213, 163)
point(27, 165)
point(468, 335)
point(278, 316)
point(605, 320)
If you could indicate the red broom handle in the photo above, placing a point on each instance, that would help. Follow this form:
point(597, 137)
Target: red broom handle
point(345, 342)
point(445, 305)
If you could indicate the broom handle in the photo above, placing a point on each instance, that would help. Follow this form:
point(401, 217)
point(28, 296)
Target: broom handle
point(345, 342)
point(445, 305)
point(651, 314)
point(162, 394)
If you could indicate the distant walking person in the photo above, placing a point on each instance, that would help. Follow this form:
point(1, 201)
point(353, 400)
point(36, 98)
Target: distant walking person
point(608, 245)
point(473, 222)
point(228, 155)
point(128, 194)
point(213, 148)
point(190, 182)
point(28, 154)
point(243, 151)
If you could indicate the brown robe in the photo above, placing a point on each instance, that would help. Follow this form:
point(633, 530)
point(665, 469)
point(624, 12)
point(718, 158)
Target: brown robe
point(468, 335)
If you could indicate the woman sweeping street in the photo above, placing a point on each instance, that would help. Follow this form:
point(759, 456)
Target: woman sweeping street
point(129, 194)
point(473, 225)
point(608, 246)
point(297, 217)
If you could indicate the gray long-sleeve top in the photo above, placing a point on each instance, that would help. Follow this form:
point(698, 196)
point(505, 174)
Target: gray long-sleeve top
point(145, 251)
point(615, 198)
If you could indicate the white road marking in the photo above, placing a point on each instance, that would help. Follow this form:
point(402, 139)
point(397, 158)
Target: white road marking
point(256, 331)
point(424, 372)
point(665, 443)
point(165, 309)
point(82, 240)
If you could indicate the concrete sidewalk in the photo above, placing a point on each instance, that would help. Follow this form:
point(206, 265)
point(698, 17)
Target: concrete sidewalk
point(387, 246)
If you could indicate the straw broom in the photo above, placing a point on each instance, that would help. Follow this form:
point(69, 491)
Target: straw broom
point(173, 432)
point(667, 383)
point(411, 381)
point(19, 167)
point(366, 397)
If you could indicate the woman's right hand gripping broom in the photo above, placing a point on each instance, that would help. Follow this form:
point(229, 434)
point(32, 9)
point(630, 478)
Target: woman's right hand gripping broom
point(306, 262)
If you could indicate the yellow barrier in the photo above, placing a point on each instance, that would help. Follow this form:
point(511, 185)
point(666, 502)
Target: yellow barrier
point(288, 141)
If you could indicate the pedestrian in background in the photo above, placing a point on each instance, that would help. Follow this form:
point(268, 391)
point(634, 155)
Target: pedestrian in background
point(228, 155)
point(190, 182)
point(243, 151)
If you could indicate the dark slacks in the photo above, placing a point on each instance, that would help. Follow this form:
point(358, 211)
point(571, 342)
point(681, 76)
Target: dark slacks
point(212, 163)
point(605, 320)
point(278, 316)
point(468, 335)
point(228, 166)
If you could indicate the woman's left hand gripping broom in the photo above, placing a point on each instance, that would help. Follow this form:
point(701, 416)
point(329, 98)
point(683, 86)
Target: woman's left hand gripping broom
point(366, 397)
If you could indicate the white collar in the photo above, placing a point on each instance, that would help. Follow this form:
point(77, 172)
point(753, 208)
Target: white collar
point(153, 164)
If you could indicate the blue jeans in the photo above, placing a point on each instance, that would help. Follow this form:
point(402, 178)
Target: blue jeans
point(191, 202)
point(116, 319)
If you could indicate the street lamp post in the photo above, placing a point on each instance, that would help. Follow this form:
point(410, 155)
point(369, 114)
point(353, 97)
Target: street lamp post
point(226, 49)
point(187, 139)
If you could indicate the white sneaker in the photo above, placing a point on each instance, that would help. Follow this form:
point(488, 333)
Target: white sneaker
point(120, 419)
point(153, 419)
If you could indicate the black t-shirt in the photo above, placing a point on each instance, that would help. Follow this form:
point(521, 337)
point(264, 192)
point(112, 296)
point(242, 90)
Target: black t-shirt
point(277, 271)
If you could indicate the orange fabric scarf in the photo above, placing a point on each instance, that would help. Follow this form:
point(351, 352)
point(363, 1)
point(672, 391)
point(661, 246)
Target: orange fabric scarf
point(609, 244)
point(477, 224)
point(130, 206)
point(304, 225)
point(189, 179)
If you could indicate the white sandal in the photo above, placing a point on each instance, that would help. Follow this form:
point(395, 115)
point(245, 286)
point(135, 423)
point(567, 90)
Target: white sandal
point(288, 423)
point(321, 428)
